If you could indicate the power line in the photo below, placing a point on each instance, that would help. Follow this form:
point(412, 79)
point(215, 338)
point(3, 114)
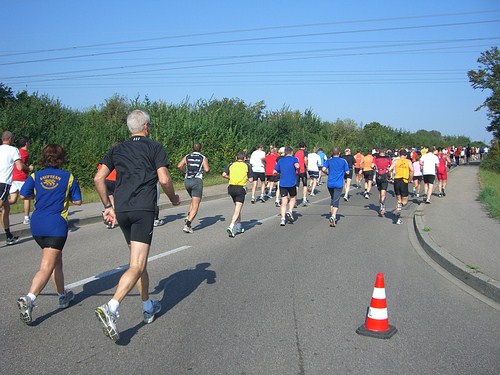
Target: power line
point(399, 28)
point(221, 58)
point(283, 27)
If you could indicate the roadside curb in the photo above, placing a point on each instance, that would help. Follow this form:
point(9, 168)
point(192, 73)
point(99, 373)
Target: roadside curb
point(475, 279)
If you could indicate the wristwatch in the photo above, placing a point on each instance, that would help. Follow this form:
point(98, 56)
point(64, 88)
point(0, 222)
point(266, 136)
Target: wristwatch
point(109, 205)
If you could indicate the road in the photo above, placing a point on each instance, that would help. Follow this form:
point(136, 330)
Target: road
point(274, 300)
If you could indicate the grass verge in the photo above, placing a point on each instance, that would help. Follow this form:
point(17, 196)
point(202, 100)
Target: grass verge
point(489, 195)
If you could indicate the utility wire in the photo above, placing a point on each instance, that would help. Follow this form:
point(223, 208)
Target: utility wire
point(399, 28)
point(283, 27)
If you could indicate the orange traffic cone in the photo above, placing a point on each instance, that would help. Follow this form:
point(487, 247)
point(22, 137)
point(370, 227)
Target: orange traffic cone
point(377, 321)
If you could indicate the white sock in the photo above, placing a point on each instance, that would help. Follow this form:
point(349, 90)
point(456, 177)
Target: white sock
point(147, 305)
point(31, 296)
point(113, 305)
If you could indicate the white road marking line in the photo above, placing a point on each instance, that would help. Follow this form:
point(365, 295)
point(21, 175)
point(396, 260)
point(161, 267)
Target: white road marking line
point(123, 268)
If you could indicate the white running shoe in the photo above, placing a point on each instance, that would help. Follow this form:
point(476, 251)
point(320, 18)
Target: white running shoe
point(283, 222)
point(12, 240)
point(25, 309)
point(333, 221)
point(187, 229)
point(231, 231)
point(158, 222)
point(26, 221)
point(108, 320)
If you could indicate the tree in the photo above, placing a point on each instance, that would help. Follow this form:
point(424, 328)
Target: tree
point(487, 77)
point(6, 94)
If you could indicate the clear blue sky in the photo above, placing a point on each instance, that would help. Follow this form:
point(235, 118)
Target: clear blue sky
point(401, 63)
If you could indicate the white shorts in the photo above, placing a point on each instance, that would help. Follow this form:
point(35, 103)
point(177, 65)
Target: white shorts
point(16, 186)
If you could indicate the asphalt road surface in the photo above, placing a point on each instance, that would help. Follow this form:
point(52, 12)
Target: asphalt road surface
point(273, 300)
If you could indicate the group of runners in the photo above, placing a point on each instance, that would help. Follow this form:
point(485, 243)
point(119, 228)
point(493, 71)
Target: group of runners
point(141, 165)
point(282, 172)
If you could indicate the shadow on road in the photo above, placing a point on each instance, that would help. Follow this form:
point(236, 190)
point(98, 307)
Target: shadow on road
point(175, 288)
point(208, 221)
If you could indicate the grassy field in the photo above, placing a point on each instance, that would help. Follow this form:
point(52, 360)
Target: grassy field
point(490, 191)
point(90, 195)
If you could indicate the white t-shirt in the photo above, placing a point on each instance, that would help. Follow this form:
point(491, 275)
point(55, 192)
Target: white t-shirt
point(430, 161)
point(8, 156)
point(313, 162)
point(256, 161)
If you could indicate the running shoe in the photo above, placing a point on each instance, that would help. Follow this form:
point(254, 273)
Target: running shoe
point(382, 210)
point(66, 299)
point(312, 194)
point(26, 221)
point(427, 201)
point(277, 204)
point(239, 228)
point(263, 198)
point(333, 221)
point(346, 198)
point(108, 320)
point(12, 240)
point(25, 309)
point(149, 317)
point(187, 229)
point(282, 222)
point(367, 196)
point(304, 202)
point(289, 216)
point(158, 222)
point(230, 231)
point(399, 222)
point(253, 200)
point(444, 194)
point(418, 195)
point(440, 195)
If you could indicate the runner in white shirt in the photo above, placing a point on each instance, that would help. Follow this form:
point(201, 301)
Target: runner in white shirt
point(429, 163)
point(259, 171)
point(314, 162)
point(9, 158)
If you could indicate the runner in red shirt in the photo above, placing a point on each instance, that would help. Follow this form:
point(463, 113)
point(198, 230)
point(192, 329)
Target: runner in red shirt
point(270, 160)
point(442, 176)
point(18, 179)
point(381, 164)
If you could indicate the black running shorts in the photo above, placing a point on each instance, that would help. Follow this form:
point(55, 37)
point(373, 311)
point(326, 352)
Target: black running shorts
point(286, 191)
point(137, 225)
point(52, 242)
point(400, 187)
point(429, 178)
point(237, 193)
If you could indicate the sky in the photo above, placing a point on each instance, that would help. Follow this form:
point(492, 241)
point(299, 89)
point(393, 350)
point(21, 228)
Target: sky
point(403, 64)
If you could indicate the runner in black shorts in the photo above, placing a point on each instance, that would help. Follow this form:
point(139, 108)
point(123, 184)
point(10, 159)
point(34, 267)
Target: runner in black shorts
point(238, 173)
point(140, 164)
